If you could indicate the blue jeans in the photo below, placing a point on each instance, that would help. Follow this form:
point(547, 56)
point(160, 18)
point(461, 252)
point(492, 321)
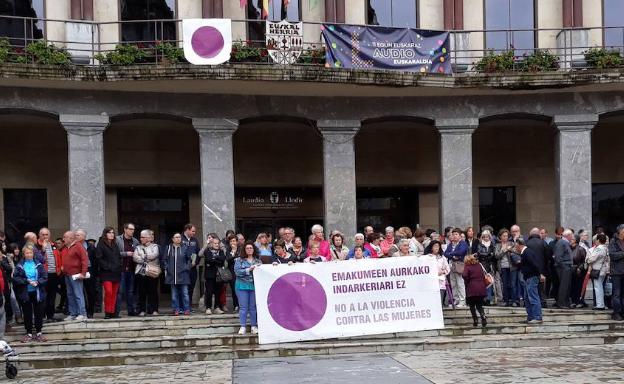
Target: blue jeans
point(75, 296)
point(247, 304)
point(180, 295)
point(510, 285)
point(126, 290)
point(532, 301)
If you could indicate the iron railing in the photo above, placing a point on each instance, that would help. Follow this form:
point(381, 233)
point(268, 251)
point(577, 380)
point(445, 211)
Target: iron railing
point(84, 40)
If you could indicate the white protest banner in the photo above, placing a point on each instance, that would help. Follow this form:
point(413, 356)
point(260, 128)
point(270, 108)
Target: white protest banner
point(207, 41)
point(347, 298)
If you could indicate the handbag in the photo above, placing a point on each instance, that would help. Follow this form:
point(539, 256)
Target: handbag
point(152, 271)
point(224, 275)
point(487, 277)
point(457, 267)
point(594, 274)
point(140, 269)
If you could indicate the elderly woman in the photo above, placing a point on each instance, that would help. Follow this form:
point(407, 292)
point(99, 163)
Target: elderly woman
point(29, 283)
point(177, 262)
point(109, 266)
point(282, 256)
point(404, 249)
point(598, 261)
point(358, 253)
point(214, 258)
point(485, 255)
point(387, 242)
point(508, 270)
point(337, 249)
point(146, 256)
point(313, 254)
point(317, 233)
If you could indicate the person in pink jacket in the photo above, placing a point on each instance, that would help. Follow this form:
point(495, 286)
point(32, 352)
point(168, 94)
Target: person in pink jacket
point(317, 232)
point(387, 242)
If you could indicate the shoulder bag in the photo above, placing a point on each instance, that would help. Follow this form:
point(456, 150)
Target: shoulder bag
point(488, 278)
point(224, 275)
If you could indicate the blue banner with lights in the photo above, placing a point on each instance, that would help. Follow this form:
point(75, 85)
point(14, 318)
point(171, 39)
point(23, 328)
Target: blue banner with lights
point(371, 47)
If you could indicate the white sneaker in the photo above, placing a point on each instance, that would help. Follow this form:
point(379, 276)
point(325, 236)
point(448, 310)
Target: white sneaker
point(242, 331)
point(155, 313)
point(80, 318)
point(461, 306)
point(69, 318)
point(218, 311)
point(142, 314)
point(208, 311)
point(254, 330)
point(235, 309)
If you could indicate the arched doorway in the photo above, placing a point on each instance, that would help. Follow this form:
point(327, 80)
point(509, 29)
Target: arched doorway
point(278, 176)
point(33, 178)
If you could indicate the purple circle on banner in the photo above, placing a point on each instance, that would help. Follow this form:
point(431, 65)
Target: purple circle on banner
point(297, 301)
point(207, 42)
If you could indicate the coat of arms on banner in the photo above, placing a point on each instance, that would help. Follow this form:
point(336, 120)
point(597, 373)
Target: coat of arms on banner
point(284, 41)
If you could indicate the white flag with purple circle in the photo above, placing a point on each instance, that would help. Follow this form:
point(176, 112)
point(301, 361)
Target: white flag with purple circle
point(207, 41)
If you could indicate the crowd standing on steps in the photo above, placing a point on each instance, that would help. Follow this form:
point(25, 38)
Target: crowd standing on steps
point(75, 276)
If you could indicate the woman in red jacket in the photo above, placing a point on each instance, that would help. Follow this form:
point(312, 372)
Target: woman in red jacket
point(474, 280)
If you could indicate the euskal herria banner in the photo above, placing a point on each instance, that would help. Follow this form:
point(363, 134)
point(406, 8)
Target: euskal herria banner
point(347, 298)
point(373, 47)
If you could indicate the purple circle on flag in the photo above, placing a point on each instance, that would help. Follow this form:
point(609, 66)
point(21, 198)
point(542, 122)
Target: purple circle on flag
point(207, 42)
point(297, 301)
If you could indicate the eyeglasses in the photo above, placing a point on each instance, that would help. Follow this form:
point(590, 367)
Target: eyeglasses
point(130, 229)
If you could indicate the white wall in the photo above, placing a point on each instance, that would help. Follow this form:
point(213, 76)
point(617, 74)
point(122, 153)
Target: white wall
point(189, 9)
point(431, 14)
point(549, 15)
point(232, 10)
point(312, 32)
point(103, 11)
point(58, 10)
point(592, 17)
point(355, 12)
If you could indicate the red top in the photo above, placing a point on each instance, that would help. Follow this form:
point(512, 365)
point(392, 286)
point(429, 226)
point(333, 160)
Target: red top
point(76, 260)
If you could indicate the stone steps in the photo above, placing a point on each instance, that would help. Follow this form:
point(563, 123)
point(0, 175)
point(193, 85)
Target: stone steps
point(327, 347)
point(87, 335)
point(113, 342)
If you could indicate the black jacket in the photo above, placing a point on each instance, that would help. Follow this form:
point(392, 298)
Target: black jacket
point(108, 261)
point(212, 261)
point(530, 264)
point(486, 256)
point(616, 255)
point(540, 248)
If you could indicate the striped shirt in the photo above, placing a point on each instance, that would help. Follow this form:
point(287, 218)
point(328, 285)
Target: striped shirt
point(50, 257)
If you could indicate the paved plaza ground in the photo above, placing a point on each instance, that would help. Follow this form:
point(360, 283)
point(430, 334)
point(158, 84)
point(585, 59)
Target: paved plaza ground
point(591, 364)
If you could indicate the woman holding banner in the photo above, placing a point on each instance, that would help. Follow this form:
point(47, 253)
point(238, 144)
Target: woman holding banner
point(245, 289)
point(443, 266)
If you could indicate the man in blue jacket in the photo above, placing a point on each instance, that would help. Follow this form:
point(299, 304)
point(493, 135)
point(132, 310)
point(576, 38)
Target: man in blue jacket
point(455, 252)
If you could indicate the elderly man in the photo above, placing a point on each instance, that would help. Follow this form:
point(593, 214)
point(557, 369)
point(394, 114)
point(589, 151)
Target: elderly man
point(75, 267)
point(563, 265)
point(368, 230)
point(48, 248)
point(532, 269)
point(317, 233)
point(542, 251)
point(289, 235)
point(359, 242)
point(90, 284)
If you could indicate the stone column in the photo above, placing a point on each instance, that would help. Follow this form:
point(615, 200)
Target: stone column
point(217, 174)
point(85, 137)
point(456, 171)
point(339, 186)
point(573, 167)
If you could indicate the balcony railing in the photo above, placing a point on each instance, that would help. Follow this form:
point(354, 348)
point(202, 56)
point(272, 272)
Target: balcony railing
point(87, 42)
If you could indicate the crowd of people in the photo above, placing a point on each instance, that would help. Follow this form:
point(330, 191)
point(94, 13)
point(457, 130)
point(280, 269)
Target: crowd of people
point(475, 269)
